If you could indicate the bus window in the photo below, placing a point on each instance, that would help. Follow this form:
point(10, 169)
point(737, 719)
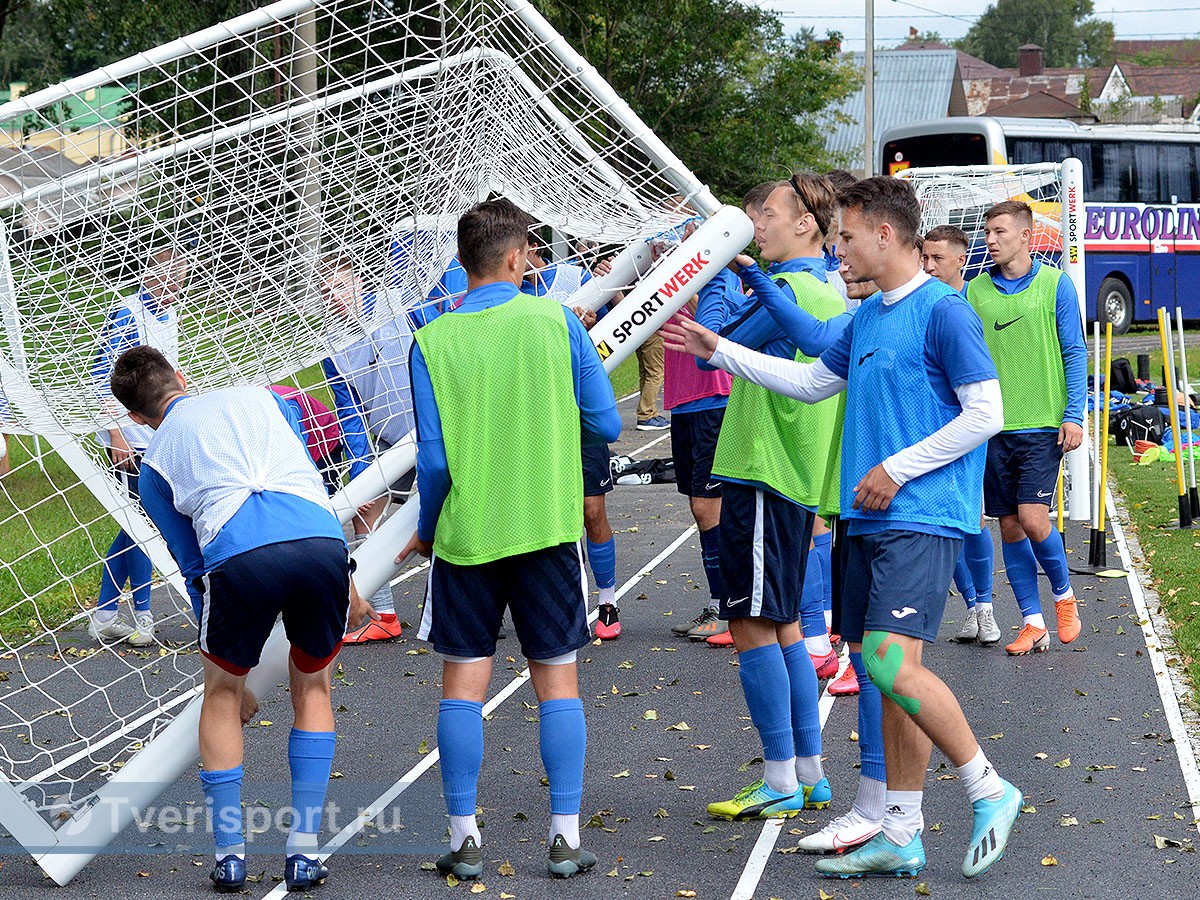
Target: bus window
point(926, 151)
point(1176, 175)
point(1106, 168)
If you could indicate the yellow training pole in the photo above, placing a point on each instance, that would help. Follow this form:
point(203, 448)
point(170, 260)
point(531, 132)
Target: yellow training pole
point(1185, 510)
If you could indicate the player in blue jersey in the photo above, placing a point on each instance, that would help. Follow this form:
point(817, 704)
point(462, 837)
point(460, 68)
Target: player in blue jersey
point(1031, 319)
point(910, 490)
point(146, 318)
point(229, 483)
point(367, 373)
point(506, 386)
point(813, 336)
point(560, 281)
point(943, 255)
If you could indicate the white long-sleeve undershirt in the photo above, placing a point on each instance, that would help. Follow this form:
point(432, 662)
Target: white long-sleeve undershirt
point(981, 417)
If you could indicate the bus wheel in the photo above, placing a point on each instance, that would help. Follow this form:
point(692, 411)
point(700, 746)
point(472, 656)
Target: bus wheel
point(1114, 304)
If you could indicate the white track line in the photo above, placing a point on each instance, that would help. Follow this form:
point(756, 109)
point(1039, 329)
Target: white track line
point(772, 828)
point(410, 777)
point(1162, 672)
point(657, 440)
point(630, 396)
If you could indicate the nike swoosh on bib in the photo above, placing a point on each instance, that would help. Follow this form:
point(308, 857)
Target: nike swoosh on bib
point(1000, 327)
point(862, 359)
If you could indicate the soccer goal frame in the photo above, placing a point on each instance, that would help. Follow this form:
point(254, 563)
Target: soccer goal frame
point(657, 286)
point(1068, 222)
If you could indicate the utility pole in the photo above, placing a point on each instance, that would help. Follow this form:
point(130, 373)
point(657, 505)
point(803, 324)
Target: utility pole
point(869, 94)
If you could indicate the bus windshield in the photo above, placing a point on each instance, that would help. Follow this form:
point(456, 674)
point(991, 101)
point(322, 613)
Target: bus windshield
point(927, 151)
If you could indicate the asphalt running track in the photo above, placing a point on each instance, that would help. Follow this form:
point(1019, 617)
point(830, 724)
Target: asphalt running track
point(1098, 705)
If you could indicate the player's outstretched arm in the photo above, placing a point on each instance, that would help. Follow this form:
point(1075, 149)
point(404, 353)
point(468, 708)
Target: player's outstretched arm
point(812, 335)
point(809, 382)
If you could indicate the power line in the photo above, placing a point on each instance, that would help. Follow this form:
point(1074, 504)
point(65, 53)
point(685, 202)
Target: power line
point(937, 15)
point(935, 12)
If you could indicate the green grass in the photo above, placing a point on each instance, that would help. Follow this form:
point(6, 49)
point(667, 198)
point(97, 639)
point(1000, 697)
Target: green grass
point(53, 533)
point(625, 377)
point(1172, 556)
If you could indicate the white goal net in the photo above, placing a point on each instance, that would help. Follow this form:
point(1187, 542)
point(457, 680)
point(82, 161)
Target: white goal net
point(242, 165)
point(962, 195)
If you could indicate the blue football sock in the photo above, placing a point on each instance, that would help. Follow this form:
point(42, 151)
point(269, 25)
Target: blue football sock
point(223, 791)
point(870, 723)
point(823, 544)
point(765, 682)
point(1021, 566)
point(562, 738)
point(114, 573)
point(1053, 558)
point(963, 581)
point(980, 554)
point(460, 745)
point(310, 757)
point(140, 573)
point(812, 599)
point(710, 552)
point(805, 694)
point(603, 558)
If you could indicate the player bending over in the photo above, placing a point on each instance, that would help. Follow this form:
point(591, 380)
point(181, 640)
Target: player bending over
point(229, 483)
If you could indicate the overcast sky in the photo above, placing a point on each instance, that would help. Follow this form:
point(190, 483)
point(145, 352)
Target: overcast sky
point(1133, 19)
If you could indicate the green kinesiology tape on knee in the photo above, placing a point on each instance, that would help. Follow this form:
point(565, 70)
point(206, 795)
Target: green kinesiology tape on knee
point(883, 671)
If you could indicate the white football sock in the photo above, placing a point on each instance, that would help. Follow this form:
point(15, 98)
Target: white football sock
point(980, 778)
point(567, 826)
point(780, 775)
point(903, 818)
point(461, 828)
point(819, 645)
point(808, 770)
point(870, 801)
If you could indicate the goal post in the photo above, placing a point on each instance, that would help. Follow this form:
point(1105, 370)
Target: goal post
point(961, 195)
point(254, 151)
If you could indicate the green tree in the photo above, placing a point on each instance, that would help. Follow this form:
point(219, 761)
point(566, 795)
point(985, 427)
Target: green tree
point(717, 80)
point(1064, 29)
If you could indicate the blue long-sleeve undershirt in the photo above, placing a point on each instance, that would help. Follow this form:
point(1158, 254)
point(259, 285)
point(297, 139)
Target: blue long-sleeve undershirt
point(350, 418)
point(1070, 336)
point(598, 417)
point(122, 331)
point(812, 335)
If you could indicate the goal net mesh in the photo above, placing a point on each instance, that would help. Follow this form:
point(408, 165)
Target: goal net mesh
point(240, 159)
point(962, 197)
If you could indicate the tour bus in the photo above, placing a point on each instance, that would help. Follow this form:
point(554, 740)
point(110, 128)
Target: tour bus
point(1141, 188)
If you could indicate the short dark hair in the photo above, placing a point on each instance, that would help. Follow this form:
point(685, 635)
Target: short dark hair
point(757, 195)
point(141, 379)
point(885, 199)
point(951, 234)
point(841, 179)
point(814, 194)
point(488, 231)
point(1018, 209)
